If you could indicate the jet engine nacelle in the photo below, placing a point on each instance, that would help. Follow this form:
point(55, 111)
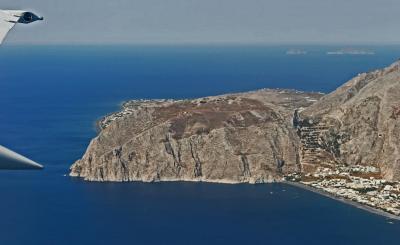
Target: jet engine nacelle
point(29, 17)
point(24, 17)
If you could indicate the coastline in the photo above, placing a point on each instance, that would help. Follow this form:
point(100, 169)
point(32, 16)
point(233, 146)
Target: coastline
point(291, 183)
point(343, 200)
point(193, 180)
point(128, 107)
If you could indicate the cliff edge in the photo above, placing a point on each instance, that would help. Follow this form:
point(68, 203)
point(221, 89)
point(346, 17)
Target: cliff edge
point(254, 137)
point(235, 138)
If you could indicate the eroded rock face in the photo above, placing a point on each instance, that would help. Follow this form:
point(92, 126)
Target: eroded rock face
point(235, 138)
point(358, 124)
point(251, 137)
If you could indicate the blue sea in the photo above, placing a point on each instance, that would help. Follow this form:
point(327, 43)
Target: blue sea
point(51, 96)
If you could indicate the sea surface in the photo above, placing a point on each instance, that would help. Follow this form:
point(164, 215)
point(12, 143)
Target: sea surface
point(51, 96)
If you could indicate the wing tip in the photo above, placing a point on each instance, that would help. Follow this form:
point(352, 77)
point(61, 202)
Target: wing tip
point(10, 160)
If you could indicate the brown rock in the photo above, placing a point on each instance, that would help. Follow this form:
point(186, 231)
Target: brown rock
point(360, 121)
point(251, 137)
point(235, 138)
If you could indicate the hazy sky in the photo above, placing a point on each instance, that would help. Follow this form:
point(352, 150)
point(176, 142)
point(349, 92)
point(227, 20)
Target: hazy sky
point(209, 21)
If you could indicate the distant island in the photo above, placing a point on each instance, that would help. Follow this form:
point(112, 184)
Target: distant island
point(296, 52)
point(350, 51)
point(345, 144)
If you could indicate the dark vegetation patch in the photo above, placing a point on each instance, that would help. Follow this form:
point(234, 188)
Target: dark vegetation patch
point(395, 112)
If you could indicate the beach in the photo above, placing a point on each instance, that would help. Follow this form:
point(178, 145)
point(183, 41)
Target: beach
point(343, 200)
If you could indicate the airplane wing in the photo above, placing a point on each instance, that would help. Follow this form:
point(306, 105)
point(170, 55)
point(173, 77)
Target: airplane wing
point(7, 22)
point(12, 160)
point(8, 19)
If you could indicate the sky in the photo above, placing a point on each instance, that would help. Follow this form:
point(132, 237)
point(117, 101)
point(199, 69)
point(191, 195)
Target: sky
point(209, 21)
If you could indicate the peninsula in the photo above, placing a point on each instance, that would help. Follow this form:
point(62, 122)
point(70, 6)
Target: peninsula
point(345, 144)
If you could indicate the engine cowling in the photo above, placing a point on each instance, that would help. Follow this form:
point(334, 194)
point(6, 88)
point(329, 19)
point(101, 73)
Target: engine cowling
point(29, 17)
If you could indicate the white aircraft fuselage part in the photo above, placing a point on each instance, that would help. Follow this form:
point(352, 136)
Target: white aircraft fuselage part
point(9, 18)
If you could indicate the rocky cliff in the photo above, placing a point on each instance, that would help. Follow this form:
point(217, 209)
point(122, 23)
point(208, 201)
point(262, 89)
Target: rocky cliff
point(235, 138)
point(358, 124)
point(252, 137)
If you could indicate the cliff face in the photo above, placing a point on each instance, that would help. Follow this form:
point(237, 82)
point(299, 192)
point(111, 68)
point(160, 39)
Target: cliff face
point(358, 124)
point(235, 138)
point(251, 137)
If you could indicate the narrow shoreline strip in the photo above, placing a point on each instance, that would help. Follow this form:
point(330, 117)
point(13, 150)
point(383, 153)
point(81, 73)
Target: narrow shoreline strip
point(343, 200)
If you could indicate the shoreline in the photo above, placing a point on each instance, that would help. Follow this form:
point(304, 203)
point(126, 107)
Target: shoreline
point(291, 183)
point(344, 200)
point(194, 180)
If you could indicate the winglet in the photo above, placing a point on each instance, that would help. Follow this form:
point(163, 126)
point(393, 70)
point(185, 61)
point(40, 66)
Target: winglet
point(14, 161)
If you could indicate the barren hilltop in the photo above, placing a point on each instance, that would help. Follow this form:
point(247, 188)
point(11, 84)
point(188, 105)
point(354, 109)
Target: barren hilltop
point(246, 137)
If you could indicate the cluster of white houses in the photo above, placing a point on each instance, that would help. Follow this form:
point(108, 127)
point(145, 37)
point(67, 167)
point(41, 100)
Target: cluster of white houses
point(357, 183)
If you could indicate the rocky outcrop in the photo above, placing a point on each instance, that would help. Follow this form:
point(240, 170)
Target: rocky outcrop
point(252, 137)
point(235, 138)
point(358, 124)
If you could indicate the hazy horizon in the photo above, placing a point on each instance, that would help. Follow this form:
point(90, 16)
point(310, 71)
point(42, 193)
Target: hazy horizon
point(208, 22)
